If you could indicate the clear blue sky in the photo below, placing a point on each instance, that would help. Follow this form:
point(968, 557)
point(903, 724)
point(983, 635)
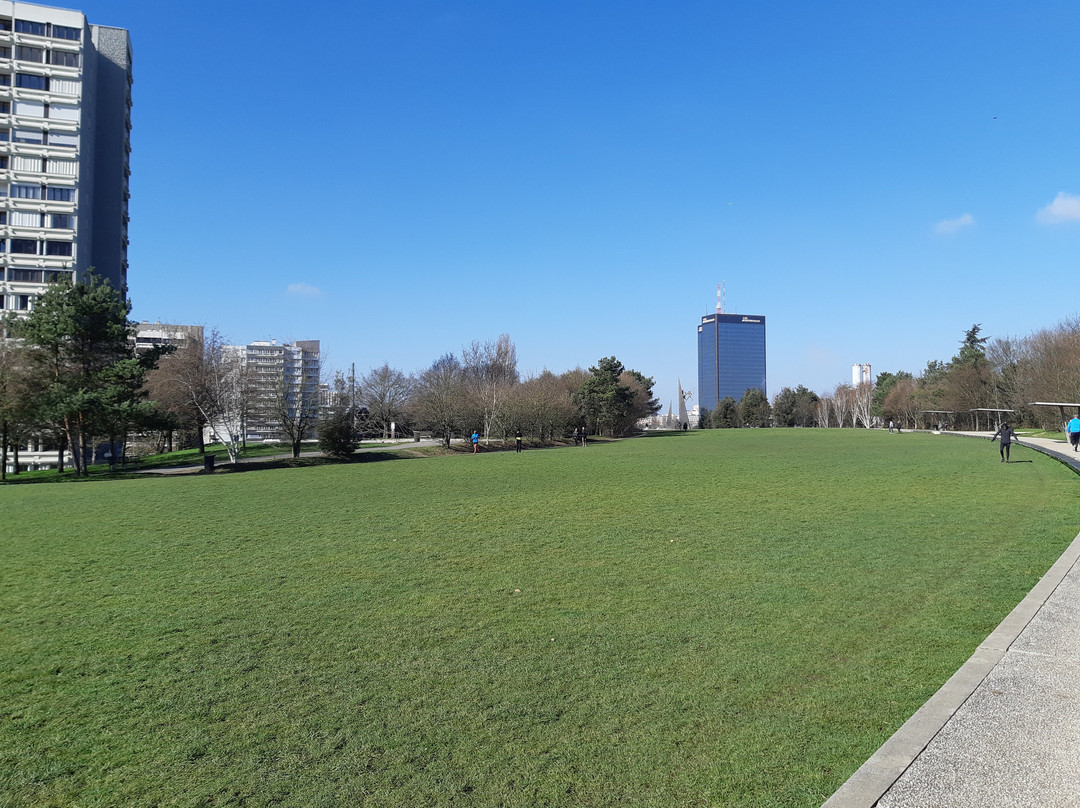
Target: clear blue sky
point(400, 178)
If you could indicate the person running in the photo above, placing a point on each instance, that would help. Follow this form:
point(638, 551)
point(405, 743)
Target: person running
point(517, 440)
point(584, 437)
point(475, 442)
point(1005, 436)
point(1072, 429)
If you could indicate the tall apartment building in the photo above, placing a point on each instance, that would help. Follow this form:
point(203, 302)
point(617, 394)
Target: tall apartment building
point(731, 357)
point(65, 123)
point(286, 375)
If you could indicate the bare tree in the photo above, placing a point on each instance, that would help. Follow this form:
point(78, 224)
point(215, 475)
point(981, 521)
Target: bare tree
point(385, 392)
point(490, 374)
point(293, 405)
point(212, 380)
point(862, 400)
point(543, 406)
point(439, 398)
point(901, 402)
point(842, 403)
point(824, 411)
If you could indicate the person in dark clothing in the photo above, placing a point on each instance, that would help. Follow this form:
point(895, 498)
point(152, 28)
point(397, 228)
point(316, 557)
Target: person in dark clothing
point(1005, 436)
point(517, 440)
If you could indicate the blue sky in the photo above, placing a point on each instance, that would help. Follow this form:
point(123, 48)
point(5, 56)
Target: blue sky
point(398, 179)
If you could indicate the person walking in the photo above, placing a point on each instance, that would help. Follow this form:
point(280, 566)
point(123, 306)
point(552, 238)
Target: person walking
point(1072, 429)
point(890, 427)
point(584, 439)
point(1005, 436)
point(475, 441)
point(517, 440)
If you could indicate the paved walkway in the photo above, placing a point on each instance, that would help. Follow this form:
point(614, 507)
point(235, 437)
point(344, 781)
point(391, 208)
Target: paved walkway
point(1004, 731)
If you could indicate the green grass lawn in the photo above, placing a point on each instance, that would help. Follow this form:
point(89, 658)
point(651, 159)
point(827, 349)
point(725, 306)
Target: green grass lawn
point(723, 618)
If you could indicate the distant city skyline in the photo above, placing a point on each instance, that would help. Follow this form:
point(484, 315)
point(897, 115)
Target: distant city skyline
point(875, 178)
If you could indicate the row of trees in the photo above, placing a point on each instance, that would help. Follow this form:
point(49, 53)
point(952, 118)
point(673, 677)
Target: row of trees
point(71, 380)
point(1002, 374)
point(1005, 374)
point(482, 390)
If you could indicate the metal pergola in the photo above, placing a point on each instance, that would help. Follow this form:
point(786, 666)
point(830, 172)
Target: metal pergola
point(1061, 408)
point(937, 412)
point(997, 416)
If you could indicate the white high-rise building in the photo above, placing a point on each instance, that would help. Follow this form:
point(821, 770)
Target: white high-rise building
point(279, 379)
point(65, 123)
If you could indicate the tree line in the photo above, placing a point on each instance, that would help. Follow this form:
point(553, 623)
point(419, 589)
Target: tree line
point(72, 382)
point(1002, 375)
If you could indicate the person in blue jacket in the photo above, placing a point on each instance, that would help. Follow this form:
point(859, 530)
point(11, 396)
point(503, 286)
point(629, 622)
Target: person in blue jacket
point(1072, 429)
point(475, 442)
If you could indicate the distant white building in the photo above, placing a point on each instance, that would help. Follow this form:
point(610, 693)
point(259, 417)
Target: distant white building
point(152, 335)
point(273, 373)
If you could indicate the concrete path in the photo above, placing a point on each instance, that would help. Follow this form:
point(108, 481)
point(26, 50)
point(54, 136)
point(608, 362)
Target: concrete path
point(1004, 731)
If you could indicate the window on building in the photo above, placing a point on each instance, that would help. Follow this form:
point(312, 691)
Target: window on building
point(66, 139)
point(22, 302)
point(33, 109)
point(63, 112)
point(29, 27)
point(27, 54)
point(62, 221)
point(3, 217)
point(24, 246)
point(27, 218)
point(5, 79)
point(60, 194)
point(3, 245)
point(5, 135)
point(30, 81)
point(5, 107)
point(5, 52)
point(58, 248)
point(5, 25)
point(54, 275)
point(63, 58)
point(25, 191)
point(28, 136)
point(65, 32)
point(24, 275)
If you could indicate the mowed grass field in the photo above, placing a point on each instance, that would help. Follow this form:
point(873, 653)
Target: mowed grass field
point(723, 618)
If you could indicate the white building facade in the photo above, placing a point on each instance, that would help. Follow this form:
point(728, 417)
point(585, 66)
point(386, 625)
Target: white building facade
point(65, 123)
point(278, 375)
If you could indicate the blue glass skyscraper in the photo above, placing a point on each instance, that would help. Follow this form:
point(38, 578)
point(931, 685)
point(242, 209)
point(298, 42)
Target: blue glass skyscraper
point(731, 357)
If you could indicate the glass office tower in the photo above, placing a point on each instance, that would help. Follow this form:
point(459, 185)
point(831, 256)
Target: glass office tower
point(731, 357)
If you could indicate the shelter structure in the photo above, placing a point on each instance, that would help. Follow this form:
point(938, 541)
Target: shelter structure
point(929, 416)
point(991, 412)
point(1062, 406)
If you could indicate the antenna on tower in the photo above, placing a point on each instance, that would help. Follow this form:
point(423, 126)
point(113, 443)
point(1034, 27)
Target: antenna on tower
point(721, 293)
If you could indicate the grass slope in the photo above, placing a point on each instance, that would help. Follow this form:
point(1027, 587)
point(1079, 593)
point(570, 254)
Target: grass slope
point(732, 618)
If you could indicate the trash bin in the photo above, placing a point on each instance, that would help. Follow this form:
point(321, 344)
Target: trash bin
point(208, 462)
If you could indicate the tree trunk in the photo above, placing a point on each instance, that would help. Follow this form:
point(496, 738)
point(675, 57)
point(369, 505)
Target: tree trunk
point(3, 451)
point(296, 449)
point(76, 448)
point(62, 440)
